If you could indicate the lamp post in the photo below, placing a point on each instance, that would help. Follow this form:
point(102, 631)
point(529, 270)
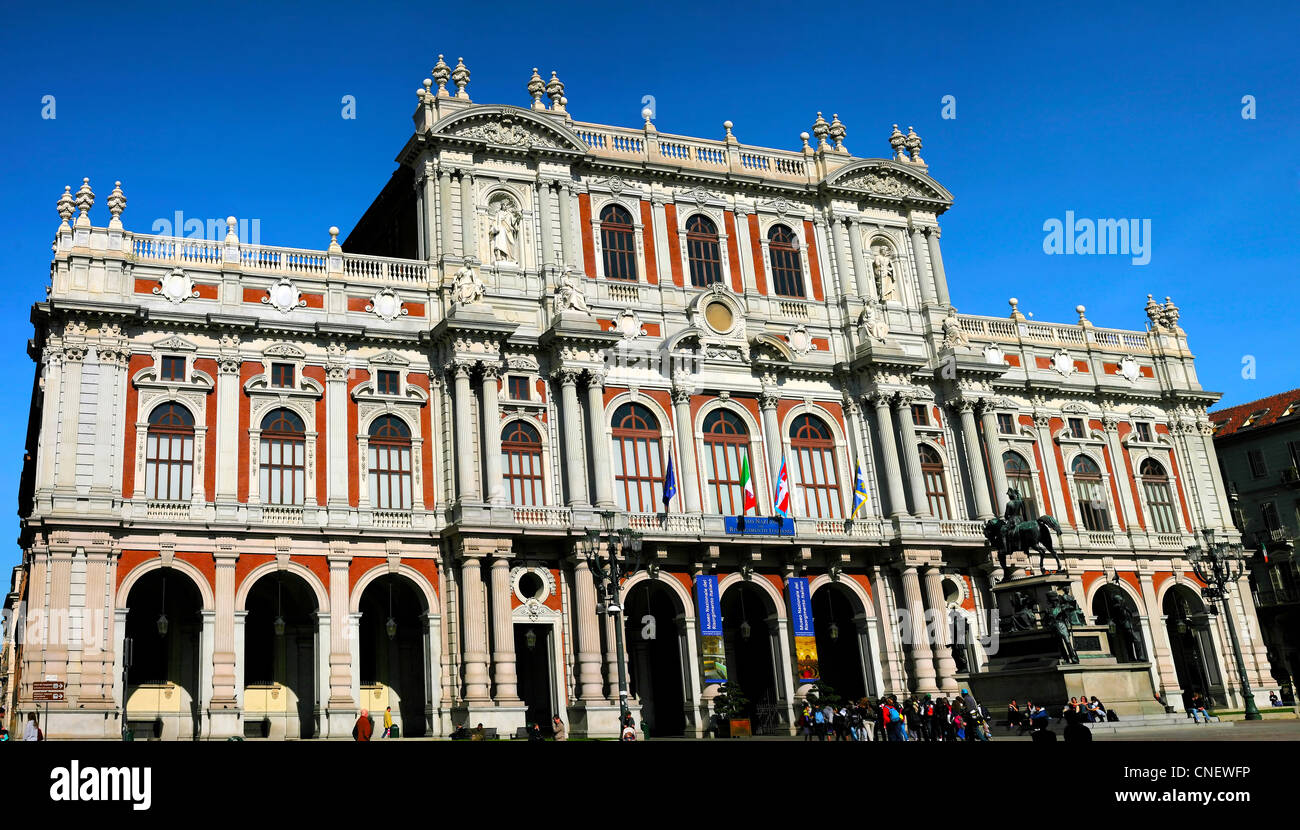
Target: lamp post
point(1219, 565)
point(609, 574)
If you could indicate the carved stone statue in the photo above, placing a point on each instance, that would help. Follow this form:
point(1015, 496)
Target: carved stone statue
point(953, 336)
point(467, 289)
point(883, 267)
point(1057, 620)
point(873, 324)
point(504, 231)
point(568, 294)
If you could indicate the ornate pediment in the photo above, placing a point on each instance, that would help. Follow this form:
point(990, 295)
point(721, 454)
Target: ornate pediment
point(509, 127)
point(175, 344)
point(884, 178)
point(390, 359)
point(285, 350)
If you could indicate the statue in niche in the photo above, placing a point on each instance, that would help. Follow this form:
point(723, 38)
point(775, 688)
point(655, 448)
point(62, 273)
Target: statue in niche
point(568, 294)
point(873, 323)
point(953, 336)
point(467, 288)
point(882, 264)
point(504, 231)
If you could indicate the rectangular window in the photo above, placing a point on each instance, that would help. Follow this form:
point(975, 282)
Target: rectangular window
point(1006, 423)
point(518, 386)
point(387, 382)
point(1258, 468)
point(1269, 512)
point(1143, 431)
point(920, 414)
point(1293, 448)
point(282, 375)
point(173, 368)
point(1077, 428)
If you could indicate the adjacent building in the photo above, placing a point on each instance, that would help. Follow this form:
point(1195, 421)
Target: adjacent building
point(268, 487)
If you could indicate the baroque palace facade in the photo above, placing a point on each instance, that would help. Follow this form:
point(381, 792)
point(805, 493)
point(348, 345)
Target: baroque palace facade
point(289, 484)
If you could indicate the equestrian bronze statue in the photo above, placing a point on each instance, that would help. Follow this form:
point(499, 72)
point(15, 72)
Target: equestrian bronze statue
point(1015, 531)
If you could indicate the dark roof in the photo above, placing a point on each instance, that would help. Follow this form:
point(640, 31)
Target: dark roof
point(1267, 411)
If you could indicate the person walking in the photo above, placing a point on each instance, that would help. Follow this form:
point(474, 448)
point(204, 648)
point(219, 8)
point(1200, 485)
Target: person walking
point(629, 730)
point(31, 732)
point(388, 722)
point(558, 729)
point(364, 728)
point(819, 724)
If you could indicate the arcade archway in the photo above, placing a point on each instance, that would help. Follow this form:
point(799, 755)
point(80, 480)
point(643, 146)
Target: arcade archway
point(655, 656)
point(281, 675)
point(750, 632)
point(1191, 645)
point(840, 625)
point(394, 634)
point(1114, 608)
point(164, 626)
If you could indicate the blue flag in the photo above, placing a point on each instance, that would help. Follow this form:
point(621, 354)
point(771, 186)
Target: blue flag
point(859, 493)
point(670, 484)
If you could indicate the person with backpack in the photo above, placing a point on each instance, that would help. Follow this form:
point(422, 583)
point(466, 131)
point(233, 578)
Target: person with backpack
point(819, 723)
point(894, 720)
point(629, 730)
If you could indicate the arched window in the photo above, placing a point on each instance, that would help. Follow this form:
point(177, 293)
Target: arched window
point(389, 464)
point(521, 461)
point(703, 251)
point(619, 243)
point(1090, 494)
point(783, 252)
point(1021, 477)
point(1160, 498)
point(813, 450)
point(936, 491)
point(282, 478)
point(638, 464)
point(169, 454)
point(726, 442)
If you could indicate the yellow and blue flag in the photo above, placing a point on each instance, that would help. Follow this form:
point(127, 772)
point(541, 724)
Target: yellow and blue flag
point(859, 492)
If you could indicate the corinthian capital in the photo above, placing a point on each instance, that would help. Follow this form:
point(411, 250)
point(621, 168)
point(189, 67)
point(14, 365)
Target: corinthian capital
point(566, 376)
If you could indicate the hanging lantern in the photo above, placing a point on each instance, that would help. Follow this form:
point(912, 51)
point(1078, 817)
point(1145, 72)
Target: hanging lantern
point(835, 631)
point(745, 630)
point(391, 626)
point(162, 625)
point(279, 625)
point(279, 615)
point(530, 639)
point(162, 609)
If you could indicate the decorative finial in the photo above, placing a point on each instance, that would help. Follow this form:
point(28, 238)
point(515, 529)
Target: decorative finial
point(837, 132)
point(85, 201)
point(427, 91)
point(1083, 321)
point(1015, 309)
point(727, 125)
point(460, 77)
point(820, 130)
point(648, 114)
point(334, 239)
point(441, 72)
point(65, 206)
point(1171, 314)
point(116, 202)
point(232, 238)
point(535, 90)
point(914, 146)
point(898, 141)
point(555, 91)
point(804, 138)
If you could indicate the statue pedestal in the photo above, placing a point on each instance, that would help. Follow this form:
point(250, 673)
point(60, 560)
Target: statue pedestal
point(1028, 665)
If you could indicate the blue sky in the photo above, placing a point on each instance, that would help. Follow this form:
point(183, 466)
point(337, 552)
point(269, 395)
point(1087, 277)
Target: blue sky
point(1109, 110)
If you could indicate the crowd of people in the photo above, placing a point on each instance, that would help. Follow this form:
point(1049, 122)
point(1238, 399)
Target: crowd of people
point(925, 719)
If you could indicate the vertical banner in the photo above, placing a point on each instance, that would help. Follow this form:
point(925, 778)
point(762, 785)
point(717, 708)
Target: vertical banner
point(709, 610)
point(805, 639)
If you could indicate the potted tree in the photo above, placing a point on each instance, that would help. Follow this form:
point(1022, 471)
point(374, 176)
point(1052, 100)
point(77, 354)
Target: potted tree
point(731, 707)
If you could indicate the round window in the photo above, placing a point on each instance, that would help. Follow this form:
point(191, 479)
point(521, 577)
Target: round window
point(531, 586)
point(719, 316)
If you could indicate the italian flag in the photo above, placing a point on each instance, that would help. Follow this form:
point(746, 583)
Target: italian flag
point(747, 484)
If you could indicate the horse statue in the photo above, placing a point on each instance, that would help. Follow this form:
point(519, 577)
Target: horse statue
point(1025, 536)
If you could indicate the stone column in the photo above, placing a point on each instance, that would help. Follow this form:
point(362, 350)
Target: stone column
point(599, 437)
point(974, 459)
point(1161, 657)
point(70, 417)
point(889, 449)
point(928, 296)
point(936, 266)
point(48, 438)
point(465, 479)
point(922, 657)
point(1120, 473)
point(227, 427)
point(492, 436)
point(841, 240)
point(588, 625)
point(911, 453)
point(944, 666)
point(566, 224)
point(768, 400)
point(544, 219)
point(428, 213)
point(687, 472)
point(468, 215)
point(503, 635)
point(57, 623)
point(224, 689)
point(571, 423)
point(474, 630)
point(894, 680)
point(112, 365)
point(444, 212)
point(340, 680)
point(336, 417)
point(1206, 431)
point(993, 445)
point(1046, 449)
point(866, 282)
point(96, 631)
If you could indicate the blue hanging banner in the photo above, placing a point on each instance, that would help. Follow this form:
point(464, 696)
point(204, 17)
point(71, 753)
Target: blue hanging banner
point(709, 612)
point(805, 638)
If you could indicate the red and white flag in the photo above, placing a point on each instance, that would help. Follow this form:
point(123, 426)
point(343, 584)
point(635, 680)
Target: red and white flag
point(781, 504)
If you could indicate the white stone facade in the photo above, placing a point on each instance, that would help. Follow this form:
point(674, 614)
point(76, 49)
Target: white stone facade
point(482, 299)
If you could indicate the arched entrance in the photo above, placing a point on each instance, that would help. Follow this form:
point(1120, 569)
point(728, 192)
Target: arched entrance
point(749, 632)
point(281, 675)
point(655, 648)
point(164, 625)
point(838, 622)
point(1114, 608)
point(1191, 645)
point(394, 643)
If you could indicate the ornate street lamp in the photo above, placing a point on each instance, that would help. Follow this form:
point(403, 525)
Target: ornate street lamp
point(609, 574)
point(1219, 565)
